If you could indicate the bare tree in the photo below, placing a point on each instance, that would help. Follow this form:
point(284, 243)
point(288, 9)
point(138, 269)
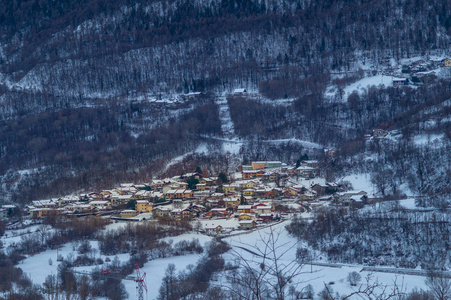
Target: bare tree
point(51, 287)
point(439, 286)
point(371, 289)
point(84, 288)
point(44, 232)
point(269, 272)
point(168, 289)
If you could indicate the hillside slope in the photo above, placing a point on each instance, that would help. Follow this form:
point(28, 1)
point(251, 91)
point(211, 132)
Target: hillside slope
point(88, 88)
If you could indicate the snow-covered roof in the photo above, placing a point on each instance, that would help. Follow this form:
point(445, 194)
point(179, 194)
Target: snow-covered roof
point(99, 202)
point(127, 184)
point(231, 199)
point(38, 203)
point(266, 215)
point(246, 221)
point(142, 193)
point(244, 206)
point(305, 168)
point(212, 226)
point(6, 206)
point(219, 209)
point(217, 194)
point(156, 194)
point(162, 208)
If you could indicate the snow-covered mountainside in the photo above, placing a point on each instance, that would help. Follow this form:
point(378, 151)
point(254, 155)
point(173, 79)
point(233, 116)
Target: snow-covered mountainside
point(98, 91)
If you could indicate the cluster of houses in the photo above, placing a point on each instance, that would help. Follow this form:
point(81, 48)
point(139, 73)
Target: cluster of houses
point(420, 71)
point(250, 199)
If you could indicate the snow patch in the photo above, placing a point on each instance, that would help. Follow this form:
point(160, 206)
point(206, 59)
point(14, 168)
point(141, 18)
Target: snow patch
point(429, 139)
point(361, 182)
point(306, 144)
point(363, 84)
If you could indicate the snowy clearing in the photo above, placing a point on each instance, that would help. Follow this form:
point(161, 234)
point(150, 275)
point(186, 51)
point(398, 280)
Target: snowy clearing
point(361, 182)
point(428, 139)
point(364, 83)
point(318, 274)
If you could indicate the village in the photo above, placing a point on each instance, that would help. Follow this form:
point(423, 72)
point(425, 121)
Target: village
point(258, 194)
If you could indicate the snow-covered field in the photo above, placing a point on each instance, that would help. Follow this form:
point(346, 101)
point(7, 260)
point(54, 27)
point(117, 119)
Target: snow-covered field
point(361, 182)
point(15, 236)
point(155, 269)
point(366, 82)
point(362, 85)
point(37, 267)
point(317, 276)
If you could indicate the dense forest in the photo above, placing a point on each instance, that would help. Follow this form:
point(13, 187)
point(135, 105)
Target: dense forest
point(112, 48)
point(74, 149)
point(80, 82)
point(396, 238)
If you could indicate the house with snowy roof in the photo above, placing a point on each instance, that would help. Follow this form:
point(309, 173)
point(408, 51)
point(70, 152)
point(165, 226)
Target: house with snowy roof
point(246, 209)
point(247, 224)
point(252, 174)
point(218, 212)
point(262, 208)
point(213, 229)
point(240, 91)
point(347, 197)
point(121, 199)
point(128, 213)
point(290, 192)
point(100, 204)
point(232, 202)
point(306, 171)
point(161, 211)
point(143, 206)
point(67, 200)
point(179, 194)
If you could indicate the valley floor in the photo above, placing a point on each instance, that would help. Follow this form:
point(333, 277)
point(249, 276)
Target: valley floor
point(317, 273)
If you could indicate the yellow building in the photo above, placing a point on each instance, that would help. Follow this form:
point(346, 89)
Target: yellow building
point(143, 205)
point(228, 188)
point(249, 192)
point(179, 194)
point(257, 165)
point(244, 217)
point(129, 213)
point(251, 184)
point(252, 174)
point(201, 186)
point(43, 212)
point(232, 202)
point(290, 192)
point(244, 209)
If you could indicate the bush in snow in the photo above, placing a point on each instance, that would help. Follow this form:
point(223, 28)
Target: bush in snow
point(354, 278)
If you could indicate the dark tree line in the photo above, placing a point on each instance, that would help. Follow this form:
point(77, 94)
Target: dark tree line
point(145, 237)
point(398, 238)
